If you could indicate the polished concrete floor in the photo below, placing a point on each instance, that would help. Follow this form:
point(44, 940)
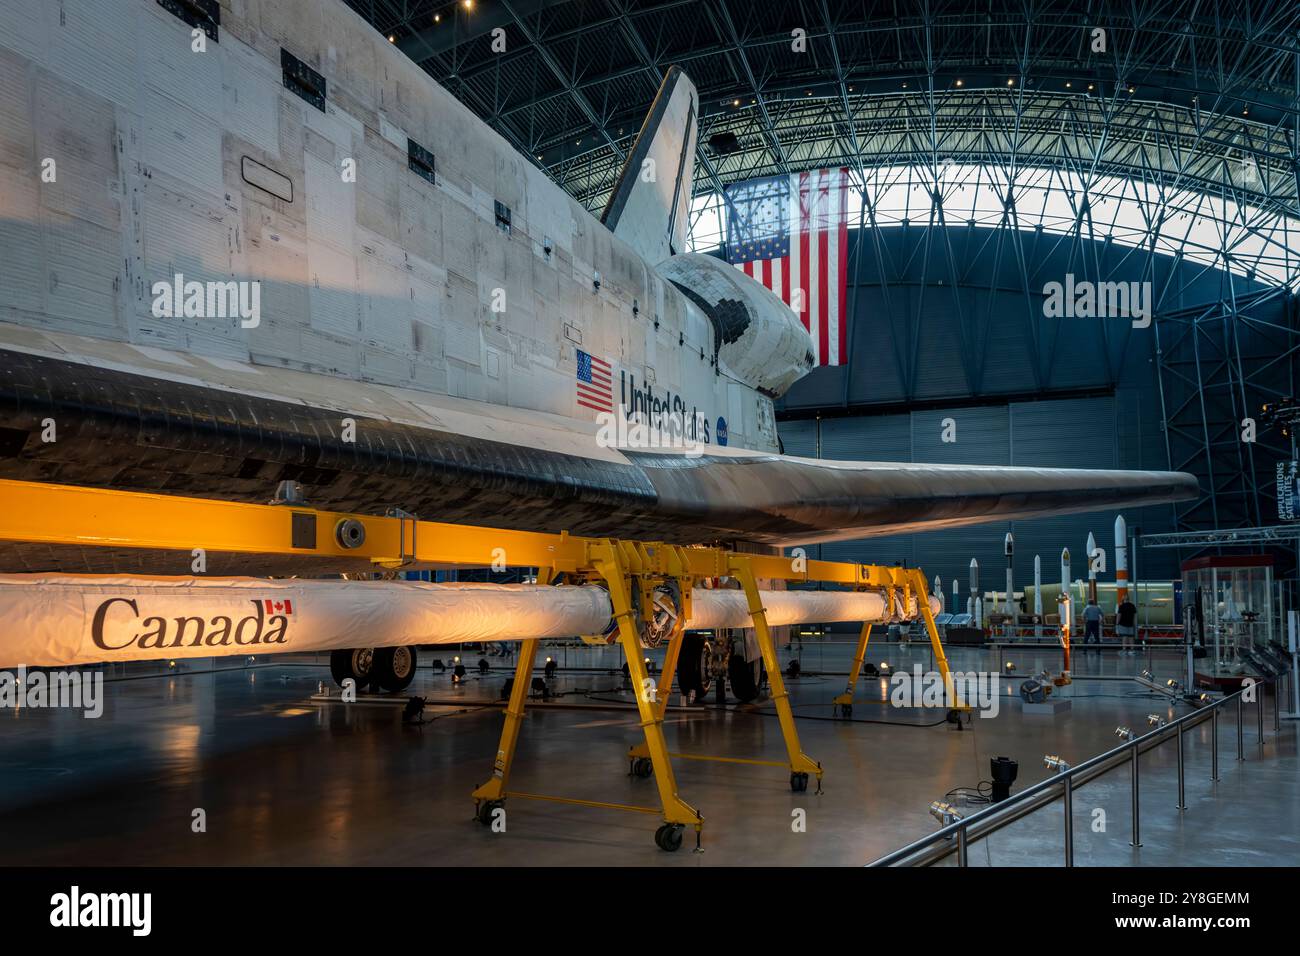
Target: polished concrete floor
point(284, 779)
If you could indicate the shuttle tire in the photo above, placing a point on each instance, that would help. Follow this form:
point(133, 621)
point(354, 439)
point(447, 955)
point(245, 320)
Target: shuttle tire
point(692, 666)
point(356, 663)
point(746, 678)
point(394, 667)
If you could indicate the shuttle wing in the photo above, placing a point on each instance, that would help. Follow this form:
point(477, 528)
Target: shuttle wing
point(132, 422)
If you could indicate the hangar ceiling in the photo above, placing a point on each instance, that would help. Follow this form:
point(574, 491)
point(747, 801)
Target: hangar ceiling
point(1192, 94)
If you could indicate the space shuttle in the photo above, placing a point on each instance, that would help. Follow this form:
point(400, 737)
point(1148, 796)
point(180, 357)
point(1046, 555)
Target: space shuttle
point(247, 243)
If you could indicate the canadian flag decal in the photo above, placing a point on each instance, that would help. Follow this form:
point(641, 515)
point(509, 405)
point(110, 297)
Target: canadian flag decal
point(278, 607)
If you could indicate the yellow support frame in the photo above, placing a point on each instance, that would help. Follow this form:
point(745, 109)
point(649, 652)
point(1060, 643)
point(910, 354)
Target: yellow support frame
point(94, 517)
point(844, 702)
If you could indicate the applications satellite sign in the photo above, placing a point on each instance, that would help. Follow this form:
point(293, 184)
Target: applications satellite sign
point(1288, 494)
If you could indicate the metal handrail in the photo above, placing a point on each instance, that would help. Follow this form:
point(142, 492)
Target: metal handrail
point(957, 837)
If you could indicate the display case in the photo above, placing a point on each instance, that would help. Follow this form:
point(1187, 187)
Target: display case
point(1230, 600)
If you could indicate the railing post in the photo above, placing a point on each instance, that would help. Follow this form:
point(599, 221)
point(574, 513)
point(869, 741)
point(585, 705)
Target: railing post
point(1137, 840)
point(1277, 706)
point(1259, 714)
point(1241, 746)
point(1068, 796)
point(1182, 802)
point(961, 847)
point(1214, 743)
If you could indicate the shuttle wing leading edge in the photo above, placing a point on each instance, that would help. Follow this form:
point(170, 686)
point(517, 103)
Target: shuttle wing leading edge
point(481, 464)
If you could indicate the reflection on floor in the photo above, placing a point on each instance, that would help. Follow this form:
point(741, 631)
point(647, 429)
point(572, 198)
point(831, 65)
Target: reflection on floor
point(282, 780)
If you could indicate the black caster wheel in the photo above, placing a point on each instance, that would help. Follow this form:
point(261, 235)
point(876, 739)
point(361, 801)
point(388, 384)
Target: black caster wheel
point(643, 767)
point(486, 809)
point(846, 711)
point(669, 837)
point(799, 782)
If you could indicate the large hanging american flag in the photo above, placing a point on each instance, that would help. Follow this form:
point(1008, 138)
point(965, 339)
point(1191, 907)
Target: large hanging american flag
point(791, 234)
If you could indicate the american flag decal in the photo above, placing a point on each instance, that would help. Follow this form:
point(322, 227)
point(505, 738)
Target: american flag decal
point(791, 234)
point(278, 607)
point(594, 383)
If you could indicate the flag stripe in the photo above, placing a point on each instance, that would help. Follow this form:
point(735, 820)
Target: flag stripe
point(842, 236)
point(803, 256)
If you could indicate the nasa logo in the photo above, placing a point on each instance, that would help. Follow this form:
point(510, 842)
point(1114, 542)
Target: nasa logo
point(722, 430)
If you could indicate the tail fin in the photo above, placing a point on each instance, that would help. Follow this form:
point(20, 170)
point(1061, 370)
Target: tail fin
point(648, 208)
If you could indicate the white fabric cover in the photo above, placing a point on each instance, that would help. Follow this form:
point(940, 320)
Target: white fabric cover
point(57, 620)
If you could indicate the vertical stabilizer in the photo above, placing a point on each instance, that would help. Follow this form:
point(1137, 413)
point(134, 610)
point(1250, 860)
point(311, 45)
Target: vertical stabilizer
point(649, 205)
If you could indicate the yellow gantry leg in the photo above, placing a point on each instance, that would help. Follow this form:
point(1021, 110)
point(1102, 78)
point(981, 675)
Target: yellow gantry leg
point(844, 702)
point(676, 810)
point(801, 765)
point(663, 691)
point(494, 791)
point(919, 588)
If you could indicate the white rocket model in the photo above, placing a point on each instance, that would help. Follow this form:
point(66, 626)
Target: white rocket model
point(1009, 547)
point(1092, 567)
point(1065, 571)
point(956, 595)
point(938, 591)
point(976, 599)
point(1121, 561)
point(1038, 596)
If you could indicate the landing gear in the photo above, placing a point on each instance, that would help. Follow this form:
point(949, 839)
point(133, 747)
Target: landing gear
point(356, 664)
point(844, 710)
point(394, 667)
point(693, 666)
point(486, 811)
point(669, 837)
point(746, 677)
point(799, 782)
point(642, 767)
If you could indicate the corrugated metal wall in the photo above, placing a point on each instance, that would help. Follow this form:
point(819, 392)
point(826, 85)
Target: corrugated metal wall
point(1098, 432)
point(928, 336)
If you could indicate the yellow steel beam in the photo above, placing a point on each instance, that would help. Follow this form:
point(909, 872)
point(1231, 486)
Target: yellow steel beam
point(65, 514)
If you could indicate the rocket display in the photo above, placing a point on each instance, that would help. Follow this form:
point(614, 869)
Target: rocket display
point(1038, 596)
point(1009, 547)
point(1121, 560)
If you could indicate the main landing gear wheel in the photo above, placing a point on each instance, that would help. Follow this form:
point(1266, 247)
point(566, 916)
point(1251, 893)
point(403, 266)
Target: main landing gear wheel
point(357, 664)
point(394, 667)
point(693, 666)
point(643, 767)
point(746, 678)
point(486, 809)
point(669, 837)
point(799, 782)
